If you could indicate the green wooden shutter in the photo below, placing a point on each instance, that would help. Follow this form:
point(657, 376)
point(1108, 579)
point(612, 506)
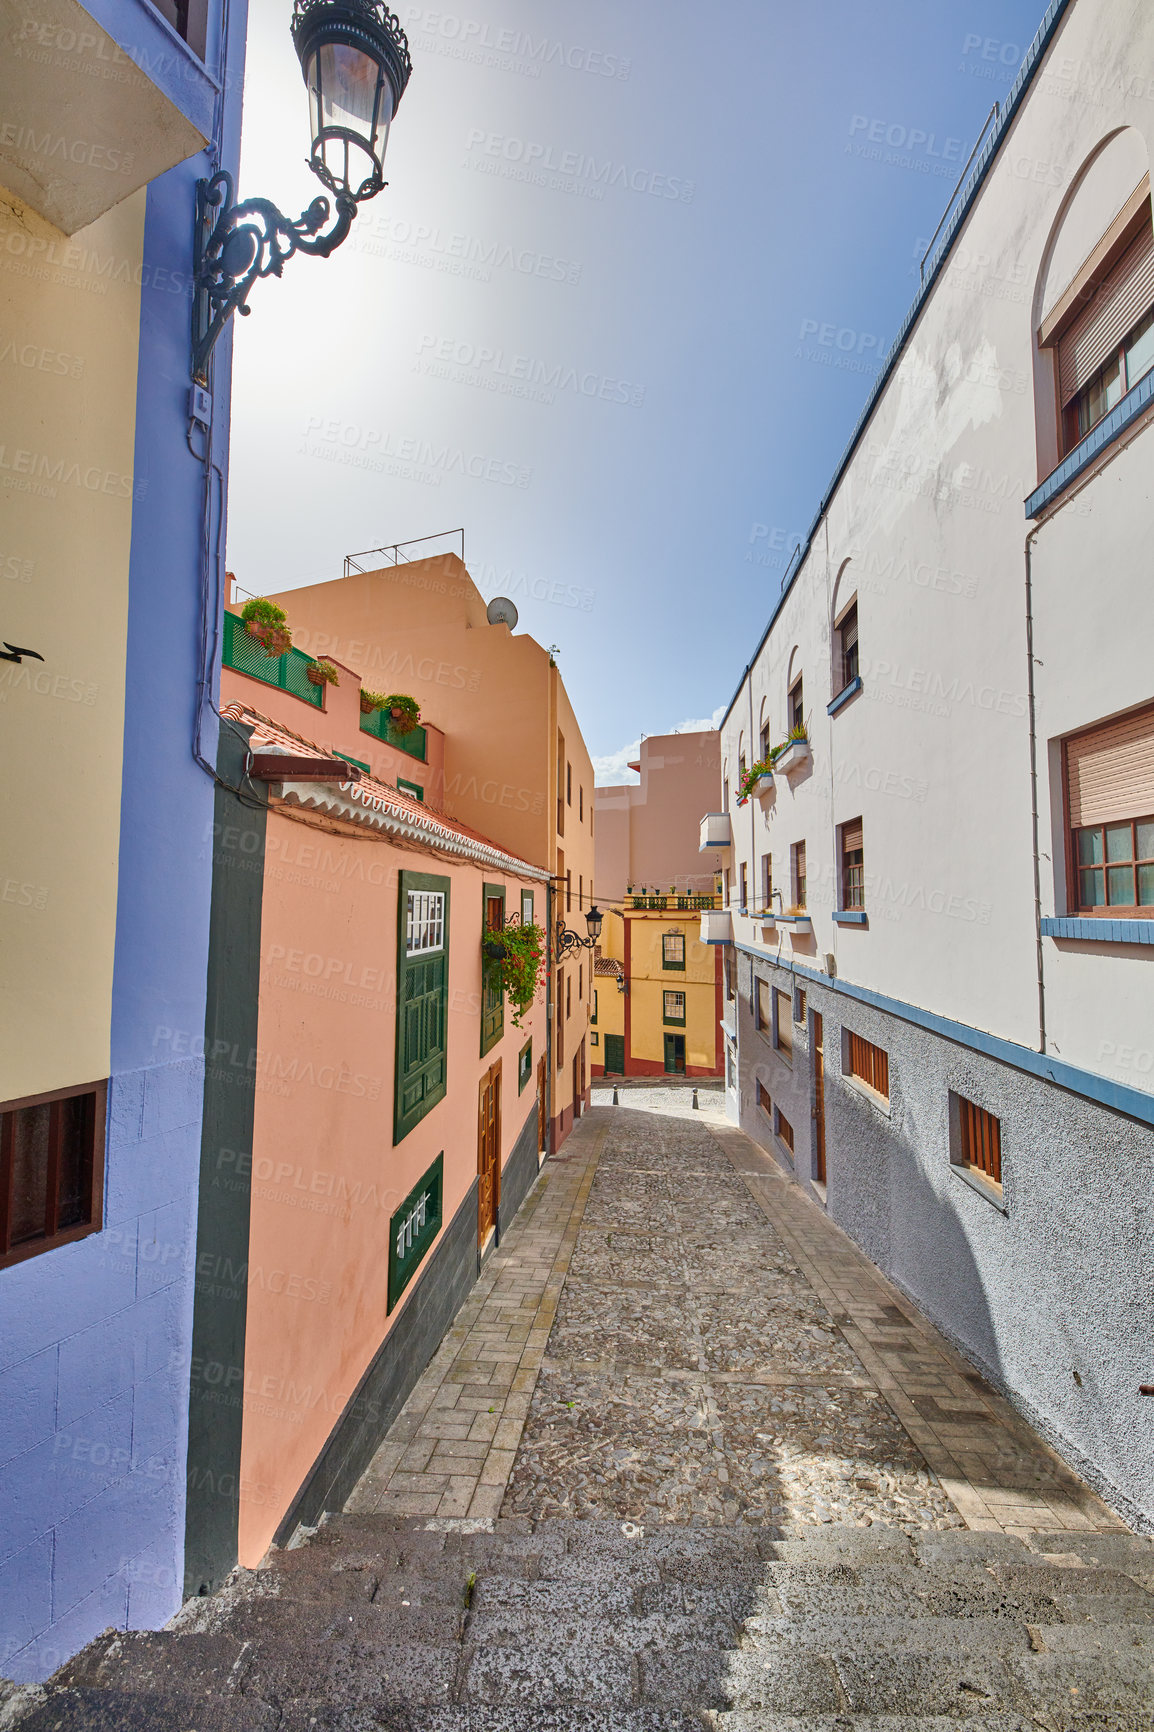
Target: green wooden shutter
point(492, 998)
point(422, 998)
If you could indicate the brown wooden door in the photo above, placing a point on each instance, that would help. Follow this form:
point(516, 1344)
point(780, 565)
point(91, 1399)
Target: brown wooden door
point(542, 1107)
point(489, 1153)
point(818, 1099)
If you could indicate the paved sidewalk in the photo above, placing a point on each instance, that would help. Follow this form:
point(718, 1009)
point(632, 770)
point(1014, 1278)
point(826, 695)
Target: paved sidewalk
point(450, 1451)
point(671, 1331)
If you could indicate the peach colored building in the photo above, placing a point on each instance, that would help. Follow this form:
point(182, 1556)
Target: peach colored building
point(396, 1116)
point(667, 1019)
point(515, 764)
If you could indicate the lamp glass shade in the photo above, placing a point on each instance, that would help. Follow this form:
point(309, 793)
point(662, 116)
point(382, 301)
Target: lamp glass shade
point(594, 920)
point(351, 109)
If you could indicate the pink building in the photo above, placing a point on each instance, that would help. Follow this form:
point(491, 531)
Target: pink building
point(648, 832)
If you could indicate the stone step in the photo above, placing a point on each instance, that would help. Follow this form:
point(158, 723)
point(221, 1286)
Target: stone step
point(825, 1633)
point(513, 1626)
point(95, 1710)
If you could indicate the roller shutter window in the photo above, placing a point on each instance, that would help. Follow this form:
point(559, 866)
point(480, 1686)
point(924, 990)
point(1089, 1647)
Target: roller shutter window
point(1110, 808)
point(1109, 346)
point(852, 866)
point(848, 646)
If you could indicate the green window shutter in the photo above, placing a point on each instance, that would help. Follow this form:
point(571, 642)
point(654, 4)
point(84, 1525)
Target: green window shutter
point(492, 998)
point(412, 788)
point(422, 998)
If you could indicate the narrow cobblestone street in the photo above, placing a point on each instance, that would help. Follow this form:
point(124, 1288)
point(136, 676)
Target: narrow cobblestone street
point(685, 1460)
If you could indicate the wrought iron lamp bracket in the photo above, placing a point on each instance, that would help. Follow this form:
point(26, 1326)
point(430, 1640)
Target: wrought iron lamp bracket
point(568, 940)
point(238, 243)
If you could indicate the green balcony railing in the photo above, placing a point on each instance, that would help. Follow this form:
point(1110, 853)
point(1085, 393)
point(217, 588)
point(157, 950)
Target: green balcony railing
point(382, 727)
point(672, 904)
point(244, 655)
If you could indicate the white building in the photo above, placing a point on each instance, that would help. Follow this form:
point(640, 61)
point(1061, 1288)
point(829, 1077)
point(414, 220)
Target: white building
point(941, 925)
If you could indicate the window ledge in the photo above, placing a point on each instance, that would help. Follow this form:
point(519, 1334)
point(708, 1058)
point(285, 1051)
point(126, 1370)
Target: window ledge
point(850, 917)
point(844, 696)
point(994, 1197)
point(1099, 931)
point(879, 1102)
point(1122, 416)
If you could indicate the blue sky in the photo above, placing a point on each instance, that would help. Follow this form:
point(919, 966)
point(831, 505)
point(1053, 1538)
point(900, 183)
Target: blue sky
point(616, 312)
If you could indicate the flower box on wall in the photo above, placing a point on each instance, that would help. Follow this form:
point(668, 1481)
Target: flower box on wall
point(799, 924)
point(793, 758)
point(716, 926)
point(763, 787)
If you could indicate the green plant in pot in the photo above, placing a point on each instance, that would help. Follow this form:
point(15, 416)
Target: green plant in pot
point(266, 622)
point(404, 712)
point(372, 701)
point(751, 777)
point(322, 674)
point(519, 969)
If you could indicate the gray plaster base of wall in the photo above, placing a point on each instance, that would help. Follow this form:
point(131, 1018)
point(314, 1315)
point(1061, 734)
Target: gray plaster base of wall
point(433, 1301)
point(1057, 1281)
point(519, 1172)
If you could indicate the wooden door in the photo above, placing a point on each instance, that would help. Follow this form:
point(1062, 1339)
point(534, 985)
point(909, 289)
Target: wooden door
point(675, 1055)
point(489, 1153)
point(818, 1099)
point(542, 1107)
point(614, 1048)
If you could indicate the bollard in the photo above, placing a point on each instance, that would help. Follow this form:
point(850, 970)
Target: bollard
point(616, 1102)
point(696, 1108)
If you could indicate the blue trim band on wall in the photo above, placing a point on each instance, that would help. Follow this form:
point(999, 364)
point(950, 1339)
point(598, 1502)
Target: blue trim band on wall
point(1123, 415)
point(844, 696)
point(1099, 931)
point(1135, 1103)
point(850, 917)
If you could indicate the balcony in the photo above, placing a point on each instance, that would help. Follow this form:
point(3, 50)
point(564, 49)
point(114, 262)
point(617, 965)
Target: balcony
point(289, 672)
point(382, 727)
point(674, 904)
point(716, 926)
point(716, 832)
point(97, 101)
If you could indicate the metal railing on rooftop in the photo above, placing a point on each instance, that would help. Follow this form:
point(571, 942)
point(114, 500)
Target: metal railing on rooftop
point(394, 554)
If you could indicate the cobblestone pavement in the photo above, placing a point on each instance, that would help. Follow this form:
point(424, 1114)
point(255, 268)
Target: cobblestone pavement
point(673, 1332)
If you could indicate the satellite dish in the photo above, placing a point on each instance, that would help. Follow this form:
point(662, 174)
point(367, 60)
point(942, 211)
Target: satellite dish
point(501, 611)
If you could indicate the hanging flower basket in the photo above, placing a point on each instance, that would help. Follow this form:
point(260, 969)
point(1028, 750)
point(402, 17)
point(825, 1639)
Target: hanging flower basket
point(371, 702)
point(519, 971)
point(265, 621)
point(405, 713)
point(322, 674)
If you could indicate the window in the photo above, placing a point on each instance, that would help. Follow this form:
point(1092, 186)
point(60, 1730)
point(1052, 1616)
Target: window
point(796, 704)
point(594, 1038)
point(51, 1170)
point(741, 767)
point(852, 866)
point(976, 1140)
point(799, 1006)
point(581, 804)
point(783, 1031)
point(783, 1130)
point(845, 644)
point(673, 950)
point(728, 971)
point(1110, 810)
point(869, 1063)
point(568, 892)
point(763, 750)
point(797, 872)
point(560, 1020)
point(580, 981)
point(524, 1066)
point(1108, 345)
point(593, 1018)
point(422, 995)
point(189, 19)
point(744, 904)
point(580, 891)
point(767, 882)
point(568, 784)
point(568, 996)
point(728, 887)
point(492, 998)
point(725, 795)
point(673, 1007)
point(526, 908)
point(560, 784)
point(764, 1101)
point(412, 788)
point(763, 1006)
point(560, 878)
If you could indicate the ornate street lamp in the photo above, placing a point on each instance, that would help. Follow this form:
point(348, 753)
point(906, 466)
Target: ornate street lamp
point(568, 940)
point(355, 60)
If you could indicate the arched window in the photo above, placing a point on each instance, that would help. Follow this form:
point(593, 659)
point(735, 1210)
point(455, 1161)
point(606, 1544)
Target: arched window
point(1094, 303)
point(843, 636)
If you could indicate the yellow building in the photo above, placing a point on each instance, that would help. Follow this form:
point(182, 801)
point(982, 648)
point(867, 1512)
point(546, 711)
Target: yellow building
point(667, 1019)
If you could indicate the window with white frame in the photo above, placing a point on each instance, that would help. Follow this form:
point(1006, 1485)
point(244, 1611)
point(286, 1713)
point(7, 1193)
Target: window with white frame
point(424, 922)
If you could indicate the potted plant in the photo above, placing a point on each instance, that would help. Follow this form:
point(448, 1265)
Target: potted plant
point(371, 702)
point(794, 749)
point(266, 622)
point(322, 674)
point(750, 782)
point(405, 713)
point(514, 961)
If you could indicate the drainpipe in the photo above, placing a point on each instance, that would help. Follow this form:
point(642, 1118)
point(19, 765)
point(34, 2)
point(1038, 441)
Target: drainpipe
point(1041, 954)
